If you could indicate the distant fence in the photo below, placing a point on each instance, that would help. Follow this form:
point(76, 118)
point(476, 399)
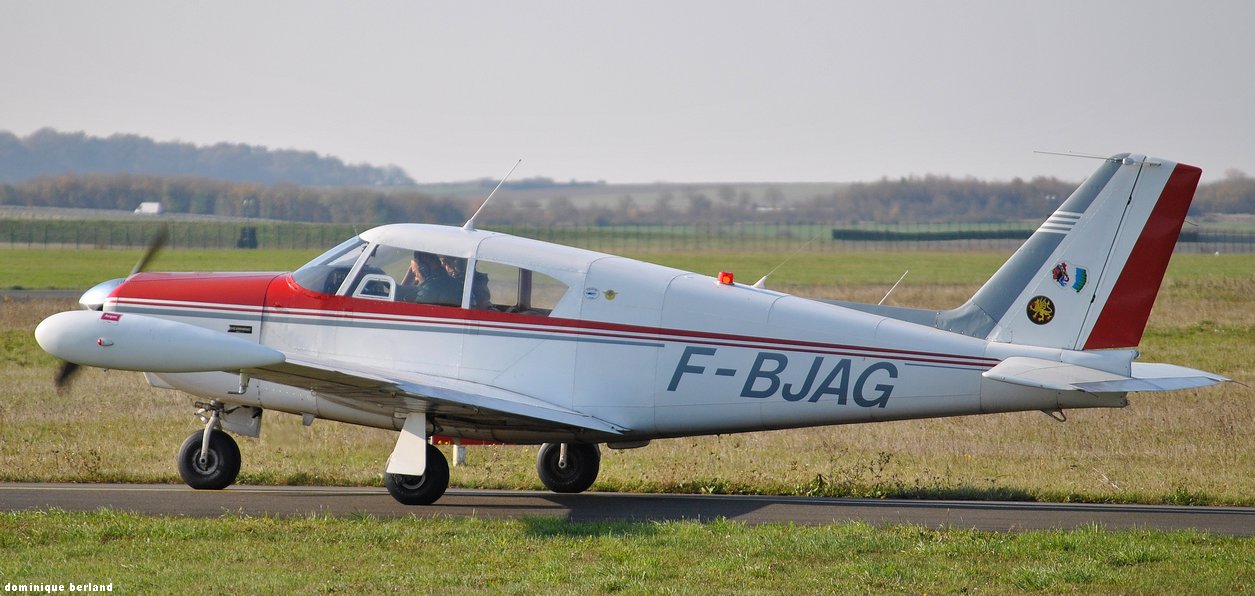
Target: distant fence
point(183, 234)
point(754, 237)
point(838, 237)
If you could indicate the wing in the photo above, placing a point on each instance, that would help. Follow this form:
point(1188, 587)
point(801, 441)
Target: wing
point(454, 402)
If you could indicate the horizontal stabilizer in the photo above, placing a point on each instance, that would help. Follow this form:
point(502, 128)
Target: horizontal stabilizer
point(1062, 376)
point(1152, 376)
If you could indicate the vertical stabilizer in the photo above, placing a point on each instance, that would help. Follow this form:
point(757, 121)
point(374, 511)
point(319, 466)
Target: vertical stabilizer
point(1088, 277)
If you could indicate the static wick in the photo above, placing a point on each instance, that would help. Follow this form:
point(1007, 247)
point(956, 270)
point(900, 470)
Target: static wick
point(470, 223)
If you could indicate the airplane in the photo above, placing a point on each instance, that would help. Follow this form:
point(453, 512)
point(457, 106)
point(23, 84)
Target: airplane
point(569, 349)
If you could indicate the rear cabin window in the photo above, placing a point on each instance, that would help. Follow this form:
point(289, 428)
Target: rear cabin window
point(506, 288)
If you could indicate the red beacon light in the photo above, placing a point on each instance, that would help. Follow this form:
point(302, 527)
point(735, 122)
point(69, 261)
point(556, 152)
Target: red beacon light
point(725, 278)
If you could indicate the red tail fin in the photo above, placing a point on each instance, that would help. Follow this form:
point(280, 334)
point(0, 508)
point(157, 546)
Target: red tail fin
point(1123, 317)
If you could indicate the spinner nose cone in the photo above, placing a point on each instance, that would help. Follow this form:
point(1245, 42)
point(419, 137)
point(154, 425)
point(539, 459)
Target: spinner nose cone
point(94, 299)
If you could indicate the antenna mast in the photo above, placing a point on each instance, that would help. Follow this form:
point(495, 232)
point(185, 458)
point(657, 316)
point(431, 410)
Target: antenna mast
point(895, 286)
point(762, 281)
point(470, 223)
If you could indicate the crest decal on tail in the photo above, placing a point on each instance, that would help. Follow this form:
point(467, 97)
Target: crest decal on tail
point(1060, 274)
point(1079, 276)
point(1069, 275)
point(1041, 310)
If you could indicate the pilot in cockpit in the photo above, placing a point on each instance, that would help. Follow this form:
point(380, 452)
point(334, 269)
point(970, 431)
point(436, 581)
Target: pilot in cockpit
point(432, 283)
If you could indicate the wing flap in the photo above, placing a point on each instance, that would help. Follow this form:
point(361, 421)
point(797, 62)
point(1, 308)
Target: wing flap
point(409, 392)
point(1062, 376)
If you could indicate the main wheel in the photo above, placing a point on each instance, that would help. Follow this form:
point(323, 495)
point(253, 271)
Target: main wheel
point(583, 461)
point(421, 490)
point(221, 465)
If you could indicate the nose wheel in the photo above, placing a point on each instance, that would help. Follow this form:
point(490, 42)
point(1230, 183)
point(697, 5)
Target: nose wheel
point(209, 459)
point(209, 464)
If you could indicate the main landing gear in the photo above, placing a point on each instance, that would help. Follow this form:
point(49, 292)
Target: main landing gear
point(421, 490)
point(568, 467)
point(562, 467)
point(210, 460)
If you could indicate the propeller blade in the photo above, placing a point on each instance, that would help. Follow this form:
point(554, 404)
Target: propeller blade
point(65, 373)
point(154, 245)
point(94, 297)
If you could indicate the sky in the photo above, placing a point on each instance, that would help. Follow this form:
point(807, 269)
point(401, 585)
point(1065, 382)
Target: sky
point(646, 91)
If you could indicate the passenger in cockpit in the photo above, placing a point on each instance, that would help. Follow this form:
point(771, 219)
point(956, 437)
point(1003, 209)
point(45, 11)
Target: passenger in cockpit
point(434, 285)
point(456, 268)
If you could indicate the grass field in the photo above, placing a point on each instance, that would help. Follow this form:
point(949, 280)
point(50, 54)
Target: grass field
point(1190, 447)
point(365, 555)
point(38, 269)
point(1184, 447)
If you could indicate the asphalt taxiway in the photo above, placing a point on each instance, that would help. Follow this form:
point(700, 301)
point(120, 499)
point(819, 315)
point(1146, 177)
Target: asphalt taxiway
point(154, 499)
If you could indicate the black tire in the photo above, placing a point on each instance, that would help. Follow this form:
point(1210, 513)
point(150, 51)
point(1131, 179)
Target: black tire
point(421, 490)
point(583, 461)
point(221, 466)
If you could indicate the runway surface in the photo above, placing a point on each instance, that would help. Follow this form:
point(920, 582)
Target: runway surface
point(299, 501)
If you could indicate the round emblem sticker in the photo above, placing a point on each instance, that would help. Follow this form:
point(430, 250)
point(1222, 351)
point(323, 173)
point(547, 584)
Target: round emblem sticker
point(1041, 310)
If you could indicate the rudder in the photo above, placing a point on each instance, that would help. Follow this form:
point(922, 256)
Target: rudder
point(1088, 276)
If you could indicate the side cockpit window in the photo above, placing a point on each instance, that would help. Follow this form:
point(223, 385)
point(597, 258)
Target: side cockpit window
point(506, 288)
point(377, 279)
point(428, 281)
point(403, 275)
point(390, 273)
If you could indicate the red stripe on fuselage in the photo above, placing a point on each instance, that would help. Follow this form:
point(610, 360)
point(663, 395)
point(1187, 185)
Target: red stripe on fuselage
point(1123, 317)
point(279, 295)
point(247, 289)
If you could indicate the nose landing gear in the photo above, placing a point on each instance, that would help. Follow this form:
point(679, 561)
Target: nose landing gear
point(214, 468)
point(209, 459)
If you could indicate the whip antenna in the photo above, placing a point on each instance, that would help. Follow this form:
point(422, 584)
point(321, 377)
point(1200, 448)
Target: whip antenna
point(762, 281)
point(895, 286)
point(470, 223)
point(1073, 154)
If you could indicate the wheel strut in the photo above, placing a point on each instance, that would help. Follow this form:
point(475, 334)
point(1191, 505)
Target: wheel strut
point(211, 424)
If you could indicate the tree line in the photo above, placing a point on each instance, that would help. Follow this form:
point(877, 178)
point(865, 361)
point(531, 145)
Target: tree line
point(47, 152)
point(1234, 194)
point(905, 200)
point(182, 194)
point(928, 199)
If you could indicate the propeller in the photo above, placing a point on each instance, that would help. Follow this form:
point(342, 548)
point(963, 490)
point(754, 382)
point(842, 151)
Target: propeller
point(93, 299)
point(154, 246)
point(65, 373)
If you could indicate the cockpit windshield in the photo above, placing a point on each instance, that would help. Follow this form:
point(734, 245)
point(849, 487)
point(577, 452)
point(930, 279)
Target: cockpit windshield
point(328, 271)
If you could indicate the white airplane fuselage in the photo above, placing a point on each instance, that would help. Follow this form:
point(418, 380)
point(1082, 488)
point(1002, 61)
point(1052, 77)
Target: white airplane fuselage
point(456, 332)
point(659, 351)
